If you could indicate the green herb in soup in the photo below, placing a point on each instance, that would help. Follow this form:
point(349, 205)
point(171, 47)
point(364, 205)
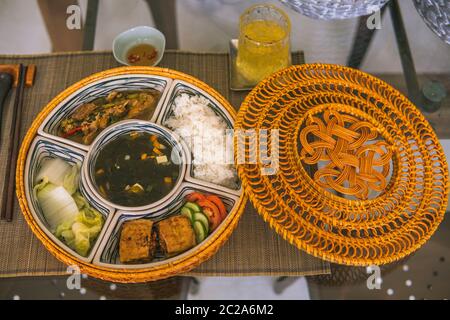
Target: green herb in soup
point(135, 169)
point(89, 119)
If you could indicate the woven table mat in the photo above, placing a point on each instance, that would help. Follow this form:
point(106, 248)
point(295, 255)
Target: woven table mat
point(253, 249)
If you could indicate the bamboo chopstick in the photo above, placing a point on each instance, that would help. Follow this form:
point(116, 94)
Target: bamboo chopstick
point(7, 209)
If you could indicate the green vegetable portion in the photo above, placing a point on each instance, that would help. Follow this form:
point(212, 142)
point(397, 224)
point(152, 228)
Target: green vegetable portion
point(193, 206)
point(67, 212)
point(199, 220)
point(203, 220)
point(200, 232)
point(185, 211)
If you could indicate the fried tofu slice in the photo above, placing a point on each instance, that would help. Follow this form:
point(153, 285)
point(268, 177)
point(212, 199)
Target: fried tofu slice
point(176, 235)
point(137, 242)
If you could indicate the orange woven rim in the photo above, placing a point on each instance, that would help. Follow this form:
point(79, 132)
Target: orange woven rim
point(189, 261)
point(357, 231)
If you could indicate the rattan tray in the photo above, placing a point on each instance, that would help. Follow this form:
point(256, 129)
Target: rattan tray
point(374, 217)
point(101, 262)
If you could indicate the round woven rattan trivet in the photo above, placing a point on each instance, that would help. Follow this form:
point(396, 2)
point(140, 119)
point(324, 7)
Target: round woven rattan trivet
point(360, 179)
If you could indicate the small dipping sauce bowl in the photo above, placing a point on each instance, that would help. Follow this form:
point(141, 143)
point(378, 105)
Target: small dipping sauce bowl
point(139, 38)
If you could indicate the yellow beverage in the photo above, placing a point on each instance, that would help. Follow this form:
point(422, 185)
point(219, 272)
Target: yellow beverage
point(263, 48)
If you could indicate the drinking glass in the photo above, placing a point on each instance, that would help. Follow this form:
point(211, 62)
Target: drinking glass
point(264, 32)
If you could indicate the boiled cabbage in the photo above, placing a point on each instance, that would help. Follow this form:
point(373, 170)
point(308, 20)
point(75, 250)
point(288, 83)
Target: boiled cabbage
point(67, 212)
point(54, 169)
point(56, 203)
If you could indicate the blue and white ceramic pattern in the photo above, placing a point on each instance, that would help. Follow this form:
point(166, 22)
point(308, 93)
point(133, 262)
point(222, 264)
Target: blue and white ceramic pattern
point(436, 15)
point(335, 9)
point(109, 254)
point(41, 149)
point(179, 155)
point(49, 127)
point(48, 144)
point(179, 87)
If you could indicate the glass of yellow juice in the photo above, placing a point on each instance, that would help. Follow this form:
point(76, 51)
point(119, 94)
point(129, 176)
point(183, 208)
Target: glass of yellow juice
point(264, 32)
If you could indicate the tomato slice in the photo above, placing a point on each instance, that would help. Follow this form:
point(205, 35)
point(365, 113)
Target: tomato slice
point(213, 213)
point(213, 218)
point(218, 202)
point(195, 197)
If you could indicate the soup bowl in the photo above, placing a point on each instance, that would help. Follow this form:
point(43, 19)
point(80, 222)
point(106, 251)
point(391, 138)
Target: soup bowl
point(179, 156)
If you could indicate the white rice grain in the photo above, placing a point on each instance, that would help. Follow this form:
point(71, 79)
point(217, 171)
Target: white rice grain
point(205, 133)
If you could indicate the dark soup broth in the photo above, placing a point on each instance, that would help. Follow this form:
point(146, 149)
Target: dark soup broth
point(135, 169)
point(89, 119)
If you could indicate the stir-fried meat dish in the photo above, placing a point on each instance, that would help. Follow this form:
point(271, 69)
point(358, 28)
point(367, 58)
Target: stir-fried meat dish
point(88, 120)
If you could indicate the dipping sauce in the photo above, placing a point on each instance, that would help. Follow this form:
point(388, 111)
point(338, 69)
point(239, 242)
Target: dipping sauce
point(135, 169)
point(142, 54)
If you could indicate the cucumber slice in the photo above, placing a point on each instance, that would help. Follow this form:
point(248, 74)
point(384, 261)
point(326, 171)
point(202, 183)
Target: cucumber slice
point(185, 211)
point(199, 231)
point(193, 206)
point(198, 216)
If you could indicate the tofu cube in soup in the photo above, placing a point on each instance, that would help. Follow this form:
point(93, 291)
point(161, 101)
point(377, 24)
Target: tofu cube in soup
point(176, 235)
point(137, 242)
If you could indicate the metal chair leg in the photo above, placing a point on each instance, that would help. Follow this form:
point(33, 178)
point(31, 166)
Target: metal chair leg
point(282, 283)
point(90, 25)
point(409, 69)
point(194, 286)
point(165, 18)
point(54, 15)
point(362, 41)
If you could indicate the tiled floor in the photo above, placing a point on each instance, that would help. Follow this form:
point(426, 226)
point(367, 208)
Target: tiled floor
point(260, 288)
point(219, 288)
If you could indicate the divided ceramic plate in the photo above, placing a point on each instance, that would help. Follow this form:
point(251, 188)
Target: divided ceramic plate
point(42, 141)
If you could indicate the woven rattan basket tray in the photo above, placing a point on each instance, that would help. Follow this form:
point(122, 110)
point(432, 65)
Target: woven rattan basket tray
point(96, 267)
point(361, 177)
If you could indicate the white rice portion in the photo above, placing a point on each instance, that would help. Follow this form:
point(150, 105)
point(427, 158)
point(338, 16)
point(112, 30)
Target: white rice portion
point(205, 133)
